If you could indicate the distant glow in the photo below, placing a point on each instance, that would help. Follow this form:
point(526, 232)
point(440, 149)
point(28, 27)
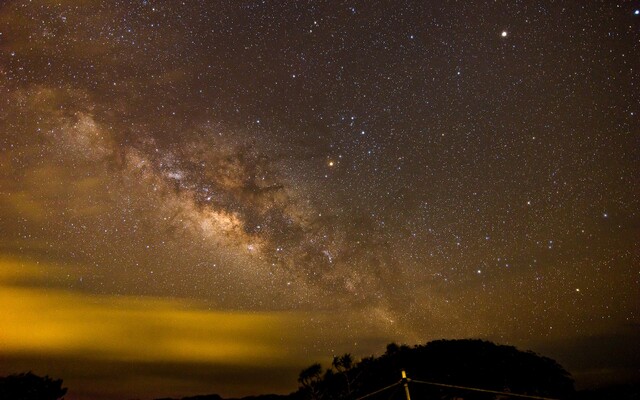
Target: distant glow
point(331, 163)
point(79, 323)
point(504, 34)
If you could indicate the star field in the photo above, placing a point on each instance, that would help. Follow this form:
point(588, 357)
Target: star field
point(341, 174)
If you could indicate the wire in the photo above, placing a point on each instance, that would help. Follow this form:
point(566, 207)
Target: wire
point(483, 390)
point(378, 391)
point(394, 392)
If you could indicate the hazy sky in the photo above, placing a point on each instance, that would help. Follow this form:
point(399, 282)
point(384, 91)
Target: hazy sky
point(208, 196)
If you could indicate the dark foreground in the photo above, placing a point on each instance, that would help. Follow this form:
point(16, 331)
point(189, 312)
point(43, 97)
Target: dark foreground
point(442, 369)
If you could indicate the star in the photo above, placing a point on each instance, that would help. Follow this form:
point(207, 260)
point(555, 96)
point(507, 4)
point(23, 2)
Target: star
point(504, 34)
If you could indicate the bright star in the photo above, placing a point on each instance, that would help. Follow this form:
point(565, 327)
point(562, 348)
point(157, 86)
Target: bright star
point(504, 34)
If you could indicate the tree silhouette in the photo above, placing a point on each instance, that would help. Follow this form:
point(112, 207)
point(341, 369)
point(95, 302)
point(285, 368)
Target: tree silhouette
point(30, 387)
point(310, 379)
point(343, 365)
point(470, 363)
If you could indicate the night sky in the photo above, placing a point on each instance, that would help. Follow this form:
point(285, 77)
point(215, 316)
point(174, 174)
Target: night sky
point(208, 196)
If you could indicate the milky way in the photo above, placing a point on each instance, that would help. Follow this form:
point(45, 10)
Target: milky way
point(375, 172)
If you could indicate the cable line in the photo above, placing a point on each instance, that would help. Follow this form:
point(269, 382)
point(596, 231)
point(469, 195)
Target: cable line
point(526, 396)
point(393, 393)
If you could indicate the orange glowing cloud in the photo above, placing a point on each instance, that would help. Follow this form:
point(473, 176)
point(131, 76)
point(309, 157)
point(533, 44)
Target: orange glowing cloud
point(58, 322)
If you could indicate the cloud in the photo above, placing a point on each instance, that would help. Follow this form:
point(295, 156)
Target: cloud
point(57, 322)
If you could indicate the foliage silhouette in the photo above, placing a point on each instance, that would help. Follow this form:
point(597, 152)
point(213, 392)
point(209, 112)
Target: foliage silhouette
point(310, 379)
point(30, 387)
point(470, 363)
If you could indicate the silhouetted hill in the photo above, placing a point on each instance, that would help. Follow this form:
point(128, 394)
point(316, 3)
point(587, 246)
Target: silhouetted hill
point(469, 363)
